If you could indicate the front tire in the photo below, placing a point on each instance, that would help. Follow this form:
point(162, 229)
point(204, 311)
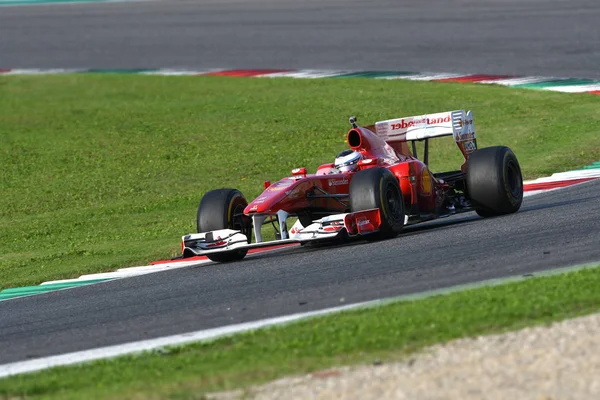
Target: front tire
point(224, 209)
point(379, 188)
point(494, 181)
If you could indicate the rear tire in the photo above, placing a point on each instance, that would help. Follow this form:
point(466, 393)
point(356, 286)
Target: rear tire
point(379, 188)
point(494, 181)
point(224, 209)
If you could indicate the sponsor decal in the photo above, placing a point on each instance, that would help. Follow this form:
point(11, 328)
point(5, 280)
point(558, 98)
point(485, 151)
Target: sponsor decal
point(464, 122)
point(381, 129)
point(363, 222)
point(469, 134)
point(333, 226)
point(391, 153)
point(462, 137)
point(280, 186)
point(470, 146)
point(292, 194)
point(295, 230)
point(218, 243)
point(403, 124)
point(365, 225)
point(253, 208)
point(337, 182)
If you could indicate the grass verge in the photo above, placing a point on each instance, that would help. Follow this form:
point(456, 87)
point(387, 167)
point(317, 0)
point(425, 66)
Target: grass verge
point(105, 171)
point(386, 333)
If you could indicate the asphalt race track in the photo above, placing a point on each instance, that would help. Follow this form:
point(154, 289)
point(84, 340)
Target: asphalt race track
point(523, 37)
point(552, 229)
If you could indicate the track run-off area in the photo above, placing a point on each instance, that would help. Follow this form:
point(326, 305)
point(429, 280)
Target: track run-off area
point(553, 230)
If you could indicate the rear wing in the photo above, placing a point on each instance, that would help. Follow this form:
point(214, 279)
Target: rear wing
point(456, 123)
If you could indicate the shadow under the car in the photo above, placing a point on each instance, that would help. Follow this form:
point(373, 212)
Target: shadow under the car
point(409, 230)
point(450, 221)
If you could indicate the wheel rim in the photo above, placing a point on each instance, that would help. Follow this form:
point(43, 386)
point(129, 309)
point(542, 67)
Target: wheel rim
point(237, 220)
point(393, 202)
point(513, 179)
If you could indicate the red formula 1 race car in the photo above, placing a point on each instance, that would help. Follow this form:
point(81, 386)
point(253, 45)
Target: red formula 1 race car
point(372, 190)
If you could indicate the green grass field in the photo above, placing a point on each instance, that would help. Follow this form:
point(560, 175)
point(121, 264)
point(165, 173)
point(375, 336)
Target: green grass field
point(106, 171)
point(385, 333)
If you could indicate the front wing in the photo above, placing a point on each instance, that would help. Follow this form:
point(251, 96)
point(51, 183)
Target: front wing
point(327, 228)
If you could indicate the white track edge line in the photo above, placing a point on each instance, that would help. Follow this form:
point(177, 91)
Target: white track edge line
point(39, 364)
point(131, 271)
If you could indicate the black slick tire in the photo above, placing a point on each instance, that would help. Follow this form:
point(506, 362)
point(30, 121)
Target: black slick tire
point(224, 209)
point(494, 181)
point(379, 188)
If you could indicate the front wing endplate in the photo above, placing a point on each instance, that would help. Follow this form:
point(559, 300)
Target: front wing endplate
point(327, 228)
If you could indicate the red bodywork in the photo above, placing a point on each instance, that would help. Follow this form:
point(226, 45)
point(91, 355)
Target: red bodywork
point(327, 193)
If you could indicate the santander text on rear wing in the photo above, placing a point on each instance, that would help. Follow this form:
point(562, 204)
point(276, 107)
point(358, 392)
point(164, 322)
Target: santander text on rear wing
point(457, 123)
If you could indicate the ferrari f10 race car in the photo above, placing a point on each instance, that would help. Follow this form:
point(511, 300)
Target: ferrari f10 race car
point(372, 191)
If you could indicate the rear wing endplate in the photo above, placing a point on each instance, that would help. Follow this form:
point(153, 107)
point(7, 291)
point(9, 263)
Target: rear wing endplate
point(458, 123)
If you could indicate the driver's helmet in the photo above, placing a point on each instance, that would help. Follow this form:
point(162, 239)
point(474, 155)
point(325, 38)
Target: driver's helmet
point(347, 160)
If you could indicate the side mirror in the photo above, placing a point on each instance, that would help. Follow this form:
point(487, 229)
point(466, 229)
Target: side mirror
point(368, 162)
point(299, 172)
